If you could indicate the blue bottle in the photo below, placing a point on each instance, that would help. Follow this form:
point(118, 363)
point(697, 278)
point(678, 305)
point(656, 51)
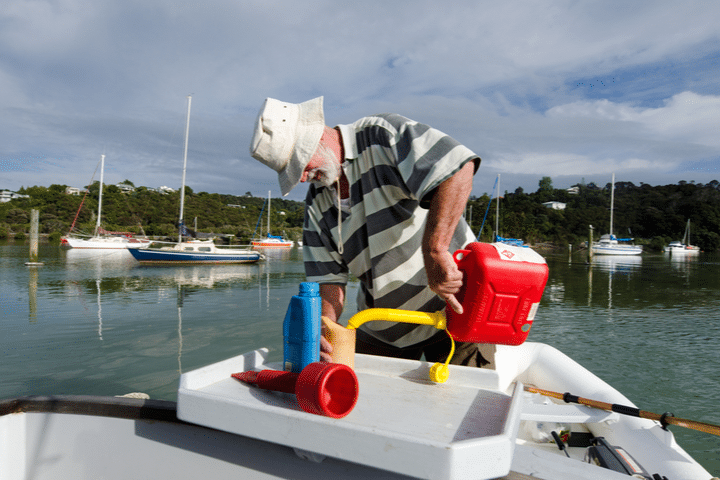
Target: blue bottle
point(301, 328)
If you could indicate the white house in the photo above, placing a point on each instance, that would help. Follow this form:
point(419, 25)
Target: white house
point(72, 191)
point(555, 205)
point(125, 187)
point(7, 195)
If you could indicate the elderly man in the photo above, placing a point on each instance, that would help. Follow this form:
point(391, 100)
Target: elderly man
point(385, 205)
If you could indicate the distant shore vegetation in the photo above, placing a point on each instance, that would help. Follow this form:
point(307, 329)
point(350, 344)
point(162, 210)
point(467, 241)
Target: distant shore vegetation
point(652, 215)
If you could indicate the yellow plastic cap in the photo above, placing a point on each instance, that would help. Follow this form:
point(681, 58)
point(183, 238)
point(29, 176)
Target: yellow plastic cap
point(439, 373)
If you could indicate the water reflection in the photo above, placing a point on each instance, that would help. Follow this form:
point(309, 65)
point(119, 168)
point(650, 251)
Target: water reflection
point(684, 264)
point(32, 294)
point(617, 263)
point(613, 264)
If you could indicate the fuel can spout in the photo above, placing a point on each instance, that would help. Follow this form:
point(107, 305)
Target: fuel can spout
point(329, 389)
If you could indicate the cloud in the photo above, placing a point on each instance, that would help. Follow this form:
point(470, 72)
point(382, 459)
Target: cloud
point(560, 87)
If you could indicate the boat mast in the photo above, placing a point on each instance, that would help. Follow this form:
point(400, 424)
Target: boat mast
point(497, 210)
point(182, 189)
point(612, 203)
point(102, 173)
point(268, 232)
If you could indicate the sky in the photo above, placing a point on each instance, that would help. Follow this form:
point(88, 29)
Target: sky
point(571, 90)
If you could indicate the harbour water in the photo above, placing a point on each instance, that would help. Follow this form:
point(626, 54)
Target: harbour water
point(93, 322)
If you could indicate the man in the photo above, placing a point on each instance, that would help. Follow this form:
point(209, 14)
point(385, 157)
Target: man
point(385, 205)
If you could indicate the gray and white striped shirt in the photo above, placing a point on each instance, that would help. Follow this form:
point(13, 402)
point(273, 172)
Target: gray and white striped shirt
point(393, 166)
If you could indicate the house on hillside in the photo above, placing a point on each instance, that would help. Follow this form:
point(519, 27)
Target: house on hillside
point(125, 188)
point(555, 205)
point(72, 191)
point(7, 195)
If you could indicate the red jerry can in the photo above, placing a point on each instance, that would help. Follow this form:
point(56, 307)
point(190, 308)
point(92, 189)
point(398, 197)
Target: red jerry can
point(501, 291)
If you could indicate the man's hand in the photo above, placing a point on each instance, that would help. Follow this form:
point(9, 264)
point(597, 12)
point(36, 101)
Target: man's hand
point(333, 300)
point(444, 278)
point(326, 348)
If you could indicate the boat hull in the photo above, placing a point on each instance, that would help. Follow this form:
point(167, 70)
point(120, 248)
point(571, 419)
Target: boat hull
point(148, 255)
point(108, 243)
point(682, 250)
point(617, 250)
point(119, 438)
point(272, 244)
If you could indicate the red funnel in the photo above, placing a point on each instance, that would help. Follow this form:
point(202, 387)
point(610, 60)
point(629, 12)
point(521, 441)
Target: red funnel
point(329, 389)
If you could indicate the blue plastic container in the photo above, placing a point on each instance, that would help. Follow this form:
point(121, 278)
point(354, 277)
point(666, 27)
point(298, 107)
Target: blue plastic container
point(302, 328)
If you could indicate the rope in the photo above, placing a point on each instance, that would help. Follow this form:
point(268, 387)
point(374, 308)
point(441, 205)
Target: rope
point(83, 199)
point(259, 218)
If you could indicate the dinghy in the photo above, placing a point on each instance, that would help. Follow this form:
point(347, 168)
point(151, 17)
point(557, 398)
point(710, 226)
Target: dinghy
point(480, 424)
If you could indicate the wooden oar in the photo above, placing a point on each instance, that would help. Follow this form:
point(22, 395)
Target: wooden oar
point(664, 419)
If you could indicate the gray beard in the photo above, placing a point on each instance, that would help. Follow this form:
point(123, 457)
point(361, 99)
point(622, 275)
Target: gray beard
point(330, 169)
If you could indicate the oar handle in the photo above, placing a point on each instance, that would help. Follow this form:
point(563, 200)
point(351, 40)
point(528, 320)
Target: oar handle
point(692, 424)
point(664, 419)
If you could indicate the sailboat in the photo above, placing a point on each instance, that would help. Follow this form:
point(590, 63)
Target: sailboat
point(271, 241)
point(682, 248)
point(102, 238)
point(193, 250)
point(609, 244)
point(497, 238)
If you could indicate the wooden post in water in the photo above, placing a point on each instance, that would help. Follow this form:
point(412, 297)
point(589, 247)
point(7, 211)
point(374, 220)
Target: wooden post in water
point(590, 242)
point(34, 229)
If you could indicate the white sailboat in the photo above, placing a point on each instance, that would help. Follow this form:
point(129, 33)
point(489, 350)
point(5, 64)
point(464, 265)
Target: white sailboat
point(102, 238)
point(683, 248)
point(193, 250)
point(507, 241)
point(609, 244)
point(271, 241)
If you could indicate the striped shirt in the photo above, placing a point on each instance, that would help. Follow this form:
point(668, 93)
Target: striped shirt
point(393, 166)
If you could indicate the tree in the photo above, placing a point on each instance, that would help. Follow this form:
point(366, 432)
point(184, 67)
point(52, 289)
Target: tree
point(545, 185)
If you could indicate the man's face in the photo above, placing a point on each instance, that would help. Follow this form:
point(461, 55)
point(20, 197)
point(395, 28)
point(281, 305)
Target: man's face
point(323, 168)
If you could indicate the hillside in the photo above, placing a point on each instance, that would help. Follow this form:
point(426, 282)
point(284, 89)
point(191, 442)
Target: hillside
point(653, 215)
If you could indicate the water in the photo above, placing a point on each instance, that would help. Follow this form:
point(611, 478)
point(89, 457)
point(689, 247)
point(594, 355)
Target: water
point(98, 323)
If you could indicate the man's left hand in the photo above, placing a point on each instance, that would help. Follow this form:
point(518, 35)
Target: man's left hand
point(444, 278)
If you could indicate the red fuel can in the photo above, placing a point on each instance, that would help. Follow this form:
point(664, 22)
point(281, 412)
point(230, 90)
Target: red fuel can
point(500, 295)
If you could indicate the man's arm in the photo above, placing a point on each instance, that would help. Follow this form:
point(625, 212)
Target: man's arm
point(446, 208)
point(333, 301)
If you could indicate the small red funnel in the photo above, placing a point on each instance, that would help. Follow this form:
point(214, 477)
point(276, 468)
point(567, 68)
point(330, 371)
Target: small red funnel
point(329, 389)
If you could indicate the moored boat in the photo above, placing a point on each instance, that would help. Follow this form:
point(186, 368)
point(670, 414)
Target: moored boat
point(480, 424)
point(101, 238)
point(609, 244)
point(683, 248)
point(270, 241)
point(195, 251)
point(106, 241)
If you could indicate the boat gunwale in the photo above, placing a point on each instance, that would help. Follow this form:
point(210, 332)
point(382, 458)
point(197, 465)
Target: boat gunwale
point(101, 406)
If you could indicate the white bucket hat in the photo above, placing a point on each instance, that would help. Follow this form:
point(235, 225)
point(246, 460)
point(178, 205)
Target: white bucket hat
point(286, 137)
